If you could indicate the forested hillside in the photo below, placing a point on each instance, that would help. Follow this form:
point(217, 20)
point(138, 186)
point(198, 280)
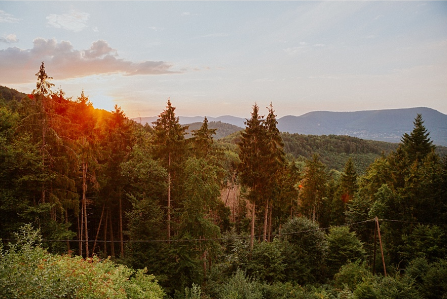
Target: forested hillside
point(79, 185)
point(222, 129)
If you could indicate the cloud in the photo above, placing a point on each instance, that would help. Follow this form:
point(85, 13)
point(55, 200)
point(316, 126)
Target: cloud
point(63, 62)
point(7, 18)
point(211, 35)
point(10, 38)
point(74, 21)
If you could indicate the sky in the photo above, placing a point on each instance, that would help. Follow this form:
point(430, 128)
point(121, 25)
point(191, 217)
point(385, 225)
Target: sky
point(214, 58)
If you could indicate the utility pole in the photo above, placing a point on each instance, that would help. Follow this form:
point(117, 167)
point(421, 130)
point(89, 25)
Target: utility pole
point(380, 242)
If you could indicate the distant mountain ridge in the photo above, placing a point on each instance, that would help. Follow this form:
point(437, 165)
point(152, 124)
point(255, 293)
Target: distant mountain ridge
point(381, 125)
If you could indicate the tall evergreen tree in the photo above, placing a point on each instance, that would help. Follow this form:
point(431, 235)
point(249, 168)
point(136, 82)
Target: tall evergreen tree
point(253, 155)
point(348, 183)
point(274, 164)
point(417, 144)
point(314, 187)
point(170, 148)
point(203, 139)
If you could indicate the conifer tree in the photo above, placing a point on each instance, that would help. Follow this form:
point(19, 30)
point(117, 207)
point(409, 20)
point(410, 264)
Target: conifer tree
point(417, 144)
point(252, 153)
point(348, 184)
point(170, 147)
point(203, 139)
point(314, 187)
point(274, 164)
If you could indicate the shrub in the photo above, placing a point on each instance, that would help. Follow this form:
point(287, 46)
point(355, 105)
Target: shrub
point(29, 271)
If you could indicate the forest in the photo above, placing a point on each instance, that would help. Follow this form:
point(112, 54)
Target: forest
point(95, 205)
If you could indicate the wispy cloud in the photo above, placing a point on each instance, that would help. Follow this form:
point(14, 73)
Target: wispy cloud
point(74, 20)
point(63, 62)
point(211, 35)
point(10, 38)
point(7, 18)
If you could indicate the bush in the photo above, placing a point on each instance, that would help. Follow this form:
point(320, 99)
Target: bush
point(240, 286)
point(29, 271)
point(430, 278)
point(350, 275)
point(304, 250)
point(343, 247)
point(267, 262)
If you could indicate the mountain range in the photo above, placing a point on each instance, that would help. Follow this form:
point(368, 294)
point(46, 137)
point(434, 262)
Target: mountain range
point(381, 125)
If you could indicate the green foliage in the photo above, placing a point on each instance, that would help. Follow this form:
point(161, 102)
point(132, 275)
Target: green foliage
point(430, 278)
point(313, 188)
point(240, 286)
point(305, 250)
point(351, 275)
point(29, 271)
point(267, 263)
point(343, 247)
point(417, 144)
point(336, 150)
point(425, 241)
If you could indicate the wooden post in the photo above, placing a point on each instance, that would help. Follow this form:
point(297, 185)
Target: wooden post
point(374, 254)
point(381, 248)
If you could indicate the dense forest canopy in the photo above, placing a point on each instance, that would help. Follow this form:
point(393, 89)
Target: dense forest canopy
point(258, 214)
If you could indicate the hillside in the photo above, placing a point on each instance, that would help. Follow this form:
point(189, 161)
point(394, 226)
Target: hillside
point(9, 94)
point(380, 125)
point(222, 129)
point(334, 150)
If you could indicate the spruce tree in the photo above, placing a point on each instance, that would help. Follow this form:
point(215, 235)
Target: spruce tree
point(417, 144)
point(252, 153)
point(348, 184)
point(314, 187)
point(170, 148)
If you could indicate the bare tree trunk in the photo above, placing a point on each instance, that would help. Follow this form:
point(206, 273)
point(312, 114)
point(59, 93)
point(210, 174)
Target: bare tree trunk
point(266, 214)
point(105, 232)
point(121, 226)
point(43, 155)
point(99, 227)
point(252, 231)
point(80, 226)
point(112, 240)
point(66, 221)
point(270, 222)
point(169, 197)
point(84, 204)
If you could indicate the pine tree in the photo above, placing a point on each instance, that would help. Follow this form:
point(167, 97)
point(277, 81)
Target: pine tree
point(348, 184)
point(203, 139)
point(252, 153)
point(314, 187)
point(274, 164)
point(417, 144)
point(170, 148)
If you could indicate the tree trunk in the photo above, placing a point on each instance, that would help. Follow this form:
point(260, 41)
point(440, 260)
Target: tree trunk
point(266, 214)
point(105, 231)
point(43, 155)
point(84, 204)
point(121, 227)
point(66, 221)
point(99, 227)
point(270, 222)
point(252, 231)
point(112, 240)
point(169, 197)
point(80, 226)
